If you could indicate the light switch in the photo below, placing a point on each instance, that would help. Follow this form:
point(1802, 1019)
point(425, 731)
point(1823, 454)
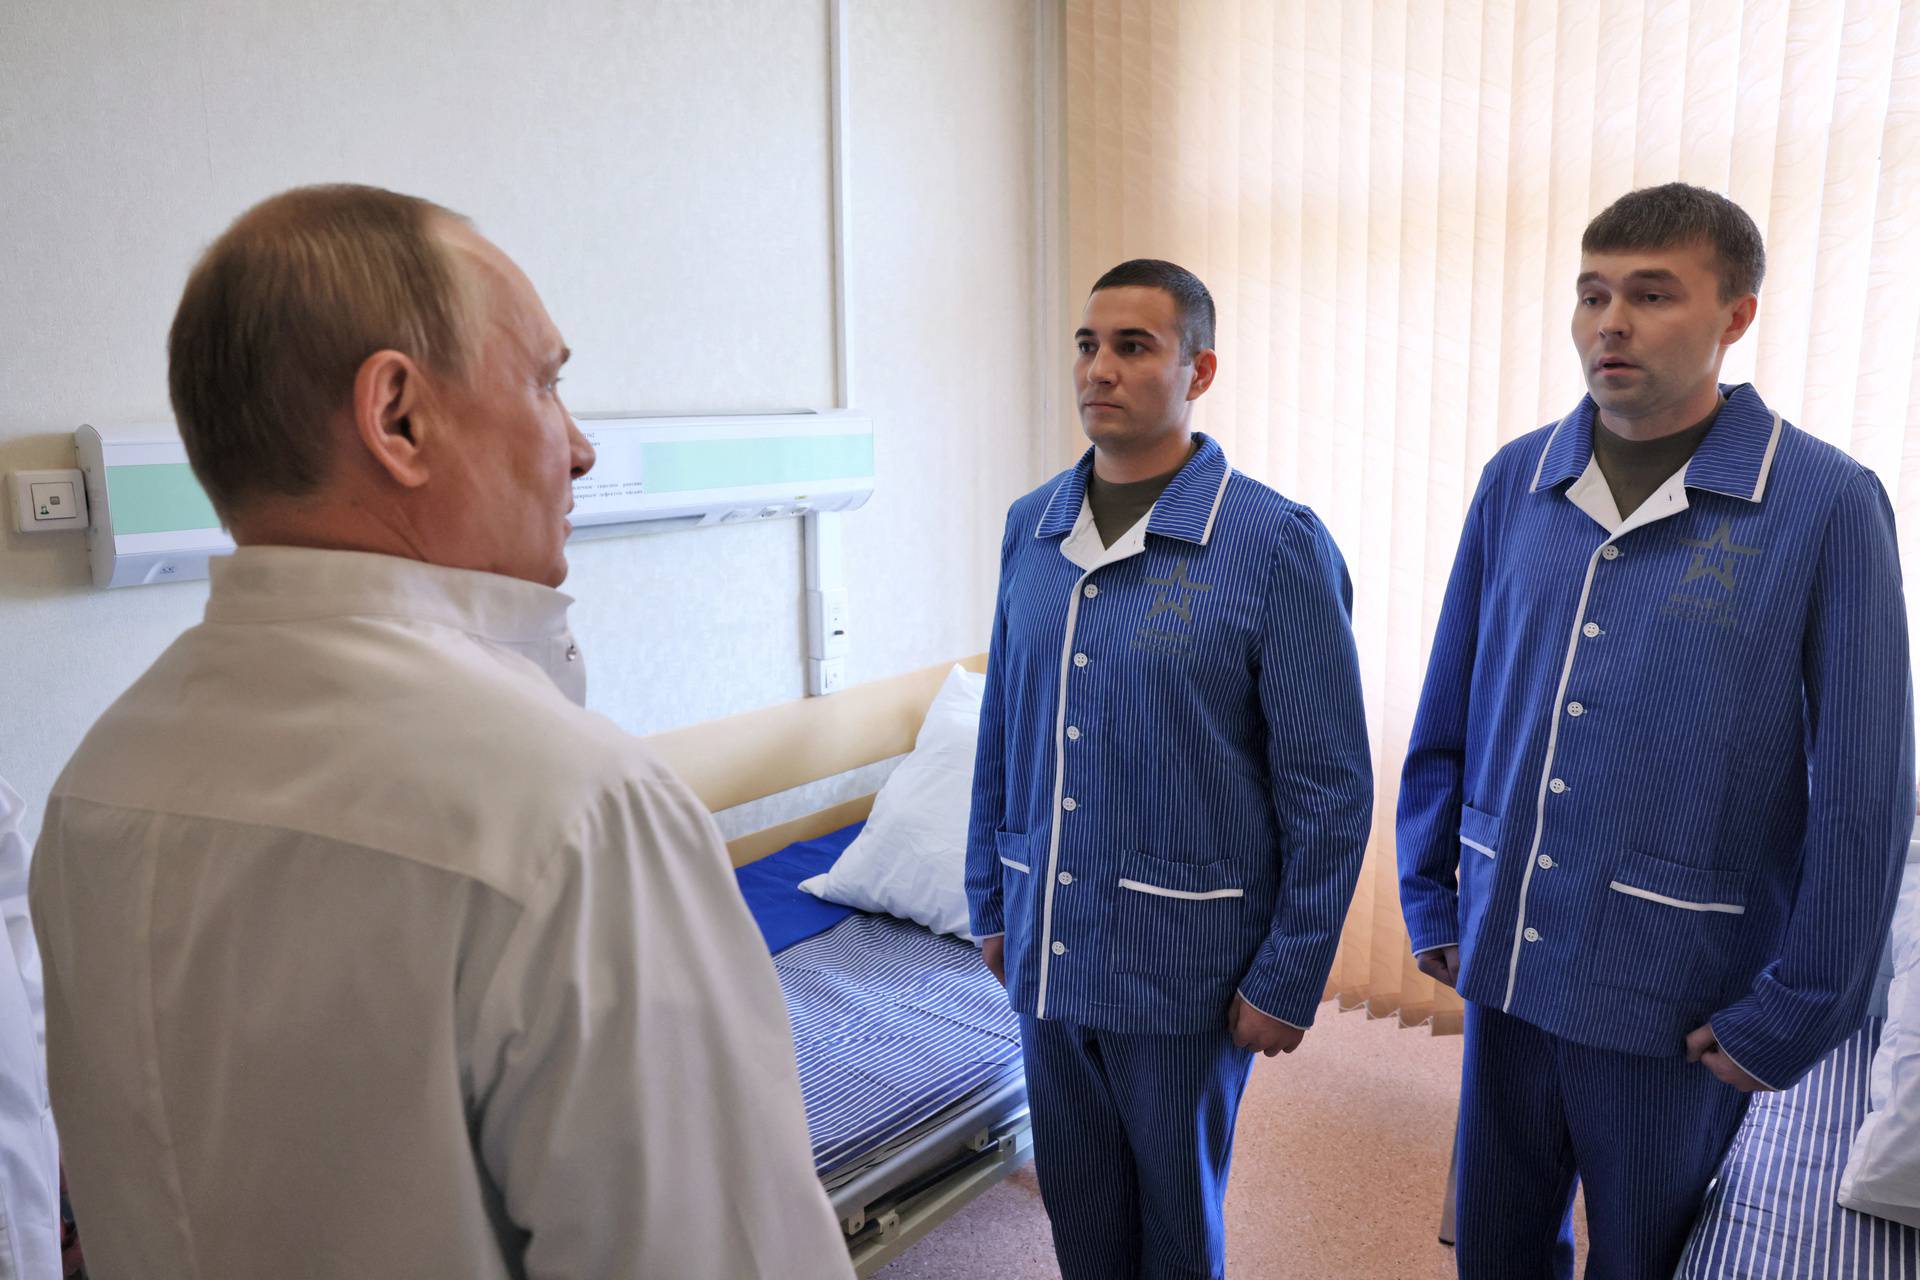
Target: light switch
point(54, 501)
point(48, 501)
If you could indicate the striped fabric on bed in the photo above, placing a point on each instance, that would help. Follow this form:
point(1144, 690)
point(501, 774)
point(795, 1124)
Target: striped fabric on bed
point(892, 1025)
point(1772, 1214)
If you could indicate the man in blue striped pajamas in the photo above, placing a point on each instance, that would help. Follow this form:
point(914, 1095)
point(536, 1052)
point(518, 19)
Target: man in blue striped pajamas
point(1661, 778)
point(1172, 791)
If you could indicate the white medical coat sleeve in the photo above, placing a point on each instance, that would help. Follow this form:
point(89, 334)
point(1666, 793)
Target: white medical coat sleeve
point(642, 1117)
point(13, 910)
point(29, 1154)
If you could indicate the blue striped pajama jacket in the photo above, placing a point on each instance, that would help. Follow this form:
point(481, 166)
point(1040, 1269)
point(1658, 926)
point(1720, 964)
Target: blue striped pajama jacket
point(1173, 787)
point(1662, 773)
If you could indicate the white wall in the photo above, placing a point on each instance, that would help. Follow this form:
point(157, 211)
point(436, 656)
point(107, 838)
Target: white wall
point(661, 171)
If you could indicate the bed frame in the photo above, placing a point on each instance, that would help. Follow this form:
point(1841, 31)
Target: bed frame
point(763, 753)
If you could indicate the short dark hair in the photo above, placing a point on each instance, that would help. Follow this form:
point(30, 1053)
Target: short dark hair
point(1191, 301)
point(1674, 214)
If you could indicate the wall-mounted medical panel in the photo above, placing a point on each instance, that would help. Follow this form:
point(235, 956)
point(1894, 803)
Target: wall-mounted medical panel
point(151, 522)
point(149, 519)
point(723, 470)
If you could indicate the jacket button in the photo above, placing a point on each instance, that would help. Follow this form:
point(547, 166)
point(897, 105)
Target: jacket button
point(1575, 709)
point(1079, 659)
point(1546, 863)
point(1531, 935)
point(1591, 630)
point(1092, 591)
point(1069, 804)
point(1556, 786)
point(1073, 733)
point(1066, 877)
point(1059, 948)
point(1610, 552)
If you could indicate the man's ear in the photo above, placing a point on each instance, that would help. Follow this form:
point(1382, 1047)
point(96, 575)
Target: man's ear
point(1204, 364)
point(389, 395)
point(1743, 312)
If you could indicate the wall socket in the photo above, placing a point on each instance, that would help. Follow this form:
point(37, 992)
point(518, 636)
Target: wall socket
point(827, 623)
point(825, 675)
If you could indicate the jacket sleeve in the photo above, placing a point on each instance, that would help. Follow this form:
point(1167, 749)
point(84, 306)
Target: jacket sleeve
point(985, 910)
point(1432, 781)
point(29, 1149)
point(16, 921)
point(1319, 766)
point(1859, 713)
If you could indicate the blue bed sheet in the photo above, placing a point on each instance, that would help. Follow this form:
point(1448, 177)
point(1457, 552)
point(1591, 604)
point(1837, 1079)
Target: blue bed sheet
point(893, 1025)
point(785, 914)
point(1772, 1215)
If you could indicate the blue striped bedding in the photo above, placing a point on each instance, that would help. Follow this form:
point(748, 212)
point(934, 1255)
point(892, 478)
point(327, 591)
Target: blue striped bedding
point(1772, 1215)
point(893, 1025)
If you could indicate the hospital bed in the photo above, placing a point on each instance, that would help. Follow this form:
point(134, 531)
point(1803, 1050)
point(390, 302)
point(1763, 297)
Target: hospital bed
point(909, 1056)
point(1771, 1214)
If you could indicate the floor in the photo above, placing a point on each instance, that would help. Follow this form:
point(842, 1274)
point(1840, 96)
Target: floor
point(1339, 1169)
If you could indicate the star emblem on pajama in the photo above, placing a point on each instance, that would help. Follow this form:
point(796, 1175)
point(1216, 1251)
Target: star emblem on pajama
point(1176, 593)
point(1716, 557)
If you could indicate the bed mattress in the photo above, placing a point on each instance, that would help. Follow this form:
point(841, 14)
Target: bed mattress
point(1772, 1215)
point(896, 1029)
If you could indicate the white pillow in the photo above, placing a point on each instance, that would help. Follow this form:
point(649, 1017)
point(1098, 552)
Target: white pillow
point(910, 860)
point(1883, 1169)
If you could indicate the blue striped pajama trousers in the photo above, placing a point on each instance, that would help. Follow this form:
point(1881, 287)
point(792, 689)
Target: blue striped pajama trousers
point(1132, 1136)
point(1643, 1137)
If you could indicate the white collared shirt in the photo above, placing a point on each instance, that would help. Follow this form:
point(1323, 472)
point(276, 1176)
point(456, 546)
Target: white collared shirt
point(370, 953)
point(29, 1154)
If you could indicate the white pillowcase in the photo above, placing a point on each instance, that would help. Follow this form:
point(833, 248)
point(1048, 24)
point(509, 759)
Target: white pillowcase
point(910, 860)
point(1883, 1169)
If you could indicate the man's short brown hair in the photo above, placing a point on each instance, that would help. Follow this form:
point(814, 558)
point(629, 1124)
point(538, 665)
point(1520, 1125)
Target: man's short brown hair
point(1676, 214)
point(280, 313)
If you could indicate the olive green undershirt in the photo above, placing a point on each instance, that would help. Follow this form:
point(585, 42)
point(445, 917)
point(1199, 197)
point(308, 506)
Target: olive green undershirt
point(1118, 507)
point(1635, 468)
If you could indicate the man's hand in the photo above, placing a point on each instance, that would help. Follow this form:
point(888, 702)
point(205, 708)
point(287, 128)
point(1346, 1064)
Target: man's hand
point(1254, 1030)
point(1704, 1047)
point(994, 951)
point(1442, 964)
